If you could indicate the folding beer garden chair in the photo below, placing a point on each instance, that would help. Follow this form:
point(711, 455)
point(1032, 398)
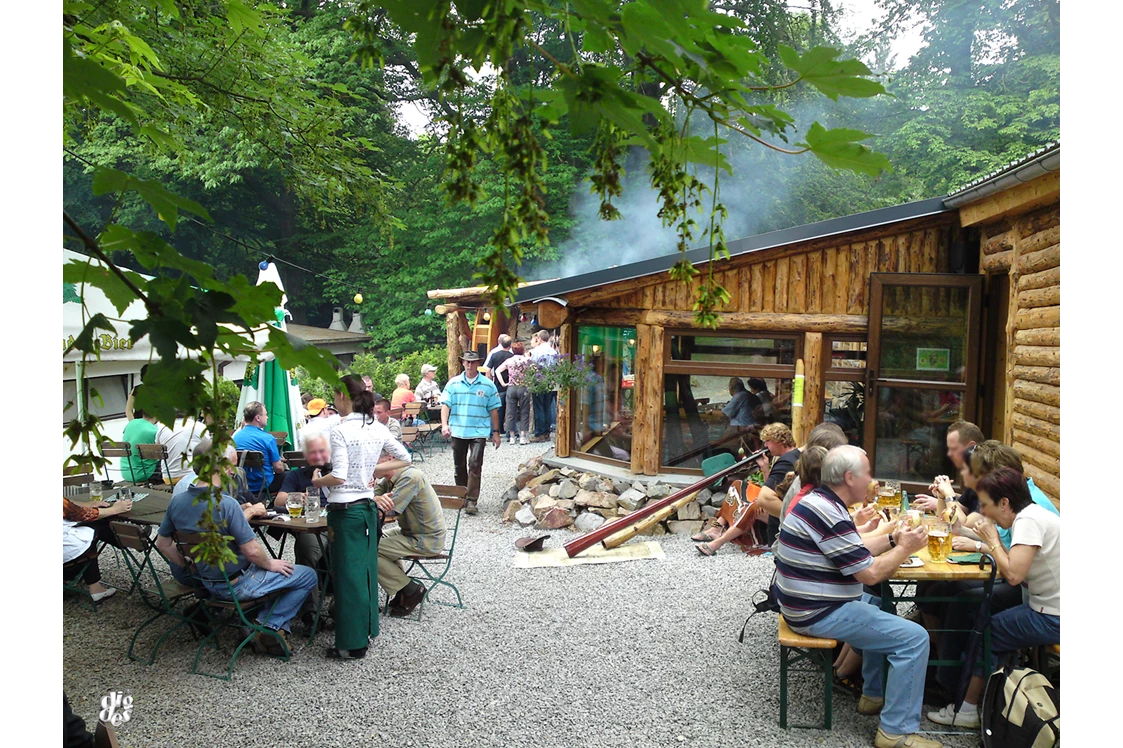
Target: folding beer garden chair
point(159, 453)
point(162, 596)
point(116, 450)
point(254, 460)
point(225, 614)
point(295, 459)
point(434, 569)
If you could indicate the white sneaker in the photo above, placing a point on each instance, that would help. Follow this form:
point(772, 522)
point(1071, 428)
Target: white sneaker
point(947, 716)
point(510, 438)
point(99, 596)
point(523, 440)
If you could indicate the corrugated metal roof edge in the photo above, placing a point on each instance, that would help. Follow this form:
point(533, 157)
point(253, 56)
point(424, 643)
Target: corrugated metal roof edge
point(806, 232)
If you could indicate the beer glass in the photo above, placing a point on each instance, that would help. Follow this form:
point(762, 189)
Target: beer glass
point(939, 541)
point(312, 506)
point(295, 504)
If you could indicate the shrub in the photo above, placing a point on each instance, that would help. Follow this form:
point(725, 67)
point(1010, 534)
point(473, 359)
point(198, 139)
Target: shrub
point(381, 373)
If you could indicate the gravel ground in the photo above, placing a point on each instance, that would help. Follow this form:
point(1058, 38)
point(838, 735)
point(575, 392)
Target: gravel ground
point(633, 654)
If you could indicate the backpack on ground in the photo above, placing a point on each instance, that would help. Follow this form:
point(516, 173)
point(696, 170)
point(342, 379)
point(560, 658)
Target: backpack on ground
point(1020, 709)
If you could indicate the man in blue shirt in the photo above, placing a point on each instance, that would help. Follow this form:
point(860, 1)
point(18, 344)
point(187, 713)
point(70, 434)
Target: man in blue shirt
point(253, 436)
point(470, 414)
point(253, 574)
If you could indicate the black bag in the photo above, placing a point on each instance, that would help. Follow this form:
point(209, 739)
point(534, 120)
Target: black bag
point(763, 601)
point(1020, 709)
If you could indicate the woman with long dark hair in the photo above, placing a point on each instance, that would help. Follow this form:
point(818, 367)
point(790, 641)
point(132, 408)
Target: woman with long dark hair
point(357, 444)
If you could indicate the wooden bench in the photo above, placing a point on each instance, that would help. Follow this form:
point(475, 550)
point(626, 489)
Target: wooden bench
point(818, 653)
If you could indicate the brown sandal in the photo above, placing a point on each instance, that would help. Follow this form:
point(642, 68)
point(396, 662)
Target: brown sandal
point(705, 549)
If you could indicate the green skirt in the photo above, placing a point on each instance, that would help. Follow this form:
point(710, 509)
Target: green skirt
point(354, 568)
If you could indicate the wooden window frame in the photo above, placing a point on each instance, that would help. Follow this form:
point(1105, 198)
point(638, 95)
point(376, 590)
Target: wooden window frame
point(842, 374)
point(726, 368)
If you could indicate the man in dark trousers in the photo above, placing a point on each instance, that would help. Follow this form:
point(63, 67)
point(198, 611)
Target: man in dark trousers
point(470, 415)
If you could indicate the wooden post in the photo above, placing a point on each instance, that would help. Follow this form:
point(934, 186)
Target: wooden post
point(452, 340)
point(563, 437)
point(797, 402)
point(814, 367)
point(639, 397)
point(652, 433)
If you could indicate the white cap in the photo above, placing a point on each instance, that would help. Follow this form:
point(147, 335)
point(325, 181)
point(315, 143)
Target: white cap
point(426, 368)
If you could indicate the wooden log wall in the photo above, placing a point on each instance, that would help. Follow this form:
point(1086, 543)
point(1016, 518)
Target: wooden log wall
point(1028, 246)
point(564, 434)
point(822, 277)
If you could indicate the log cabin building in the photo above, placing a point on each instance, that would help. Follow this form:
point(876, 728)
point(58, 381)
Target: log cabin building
point(903, 320)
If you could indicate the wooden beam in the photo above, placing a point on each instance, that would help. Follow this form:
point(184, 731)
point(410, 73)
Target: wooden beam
point(1046, 394)
point(652, 433)
point(1050, 413)
point(1042, 259)
point(474, 294)
point(731, 320)
point(1039, 297)
point(1040, 443)
point(563, 436)
point(1037, 427)
point(999, 261)
point(813, 380)
point(1044, 279)
point(551, 314)
point(1046, 316)
point(1037, 355)
point(641, 417)
point(452, 340)
point(443, 309)
point(1020, 199)
point(1041, 374)
point(1038, 336)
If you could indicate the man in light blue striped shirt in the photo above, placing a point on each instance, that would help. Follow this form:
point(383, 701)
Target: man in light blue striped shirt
point(470, 414)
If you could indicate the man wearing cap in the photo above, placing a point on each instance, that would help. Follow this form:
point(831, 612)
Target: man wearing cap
point(470, 415)
point(322, 418)
point(428, 390)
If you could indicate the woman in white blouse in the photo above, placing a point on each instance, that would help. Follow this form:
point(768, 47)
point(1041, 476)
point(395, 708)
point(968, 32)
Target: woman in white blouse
point(357, 444)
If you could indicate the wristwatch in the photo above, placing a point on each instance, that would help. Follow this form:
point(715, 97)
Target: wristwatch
point(892, 543)
point(978, 546)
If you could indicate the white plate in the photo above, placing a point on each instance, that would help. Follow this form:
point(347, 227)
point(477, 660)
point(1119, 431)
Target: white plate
point(912, 563)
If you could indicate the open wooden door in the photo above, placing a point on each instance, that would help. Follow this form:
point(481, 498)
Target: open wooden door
point(922, 376)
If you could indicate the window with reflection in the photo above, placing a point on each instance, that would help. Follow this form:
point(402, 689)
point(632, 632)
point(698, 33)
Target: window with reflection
point(720, 390)
point(844, 385)
point(603, 411)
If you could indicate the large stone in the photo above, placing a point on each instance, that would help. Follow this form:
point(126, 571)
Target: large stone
point(588, 521)
point(525, 516)
point(546, 477)
point(555, 519)
point(587, 482)
point(566, 504)
point(637, 486)
point(606, 513)
point(704, 496)
point(526, 495)
point(555, 489)
point(567, 489)
point(709, 512)
point(658, 490)
point(543, 469)
point(524, 477)
point(689, 512)
point(543, 504)
point(631, 499)
point(685, 528)
point(512, 509)
point(568, 472)
point(605, 486)
point(620, 486)
point(600, 499)
point(512, 494)
point(717, 499)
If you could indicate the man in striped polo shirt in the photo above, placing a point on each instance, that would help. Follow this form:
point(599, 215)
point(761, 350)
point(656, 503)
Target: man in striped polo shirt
point(470, 415)
point(822, 563)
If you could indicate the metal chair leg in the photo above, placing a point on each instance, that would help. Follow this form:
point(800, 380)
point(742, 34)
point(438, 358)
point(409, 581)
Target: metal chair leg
point(784, 687)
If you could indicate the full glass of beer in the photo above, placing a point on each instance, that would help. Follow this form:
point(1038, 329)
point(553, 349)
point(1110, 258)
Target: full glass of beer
point(295, 504)
point(939, 541)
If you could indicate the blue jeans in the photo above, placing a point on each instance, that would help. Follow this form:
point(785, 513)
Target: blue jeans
point(867, 628)
point(1022, 627)
point(256, 582)
point(545, 412)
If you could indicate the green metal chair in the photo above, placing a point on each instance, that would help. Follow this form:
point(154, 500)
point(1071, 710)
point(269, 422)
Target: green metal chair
point(161, 596)
point(717, 463)
point(434, 569)
point(225, 614)
point(818, 654)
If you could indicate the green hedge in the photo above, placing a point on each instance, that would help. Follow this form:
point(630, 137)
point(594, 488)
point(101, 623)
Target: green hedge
point(381, 373)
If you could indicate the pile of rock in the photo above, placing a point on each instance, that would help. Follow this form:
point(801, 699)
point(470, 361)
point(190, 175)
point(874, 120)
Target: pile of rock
point(555, 498)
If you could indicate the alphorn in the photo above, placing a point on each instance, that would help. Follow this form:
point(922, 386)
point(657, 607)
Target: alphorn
point(632, 530)
point(589, 539)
